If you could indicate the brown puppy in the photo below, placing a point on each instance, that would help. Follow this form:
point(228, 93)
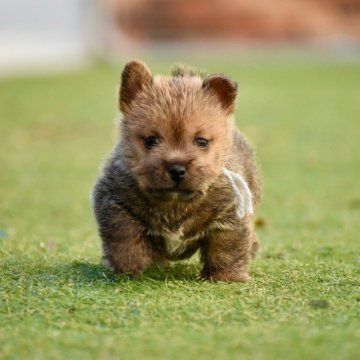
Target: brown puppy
point(163, 193)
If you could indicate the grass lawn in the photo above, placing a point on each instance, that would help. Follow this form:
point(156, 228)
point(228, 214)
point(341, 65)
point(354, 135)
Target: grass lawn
point(57, 300)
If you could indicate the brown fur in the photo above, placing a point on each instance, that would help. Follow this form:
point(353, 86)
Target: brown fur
point(139, 207)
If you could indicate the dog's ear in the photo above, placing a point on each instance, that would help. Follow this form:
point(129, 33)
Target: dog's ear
point(225, 90)
point(135, 77)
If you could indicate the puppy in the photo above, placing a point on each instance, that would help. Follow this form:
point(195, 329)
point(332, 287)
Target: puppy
point(180, 177)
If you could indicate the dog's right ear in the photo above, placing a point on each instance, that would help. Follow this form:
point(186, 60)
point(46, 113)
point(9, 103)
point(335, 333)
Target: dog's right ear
point(135, 77)
point(224, 88)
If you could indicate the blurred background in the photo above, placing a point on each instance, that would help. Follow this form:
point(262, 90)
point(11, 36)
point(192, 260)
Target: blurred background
point(47, 35)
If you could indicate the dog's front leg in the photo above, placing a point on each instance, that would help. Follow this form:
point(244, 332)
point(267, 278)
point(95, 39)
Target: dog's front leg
point(225, 254)
point(126, 249)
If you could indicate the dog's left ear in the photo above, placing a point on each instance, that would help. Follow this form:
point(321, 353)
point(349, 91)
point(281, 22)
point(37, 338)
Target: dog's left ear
point(135, 77)
point(225, 90)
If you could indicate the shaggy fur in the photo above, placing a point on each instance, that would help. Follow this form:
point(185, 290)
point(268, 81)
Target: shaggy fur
point(144, 216)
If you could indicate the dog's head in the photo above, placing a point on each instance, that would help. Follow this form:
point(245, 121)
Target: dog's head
point(176, 130)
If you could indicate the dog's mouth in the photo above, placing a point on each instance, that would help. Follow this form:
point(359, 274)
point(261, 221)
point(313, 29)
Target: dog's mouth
point(173, 194)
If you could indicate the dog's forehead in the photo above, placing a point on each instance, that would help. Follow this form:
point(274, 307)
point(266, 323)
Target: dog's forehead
point(177, 108)
point(175, 101)
point(177, 95)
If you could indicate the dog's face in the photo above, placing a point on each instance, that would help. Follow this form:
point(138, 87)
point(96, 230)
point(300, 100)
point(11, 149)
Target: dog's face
point(176, 131)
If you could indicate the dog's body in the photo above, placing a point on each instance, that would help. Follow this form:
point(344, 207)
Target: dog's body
point(162, 194)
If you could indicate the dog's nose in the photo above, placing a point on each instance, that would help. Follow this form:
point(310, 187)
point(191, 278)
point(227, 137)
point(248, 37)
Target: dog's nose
point(176, 172)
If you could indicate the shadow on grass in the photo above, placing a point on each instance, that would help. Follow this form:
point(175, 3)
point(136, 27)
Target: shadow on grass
point(97, 273)
point(84, 272)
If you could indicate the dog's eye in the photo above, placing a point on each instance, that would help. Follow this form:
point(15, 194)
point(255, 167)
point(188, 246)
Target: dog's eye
point(151, 141)
point(201, 142)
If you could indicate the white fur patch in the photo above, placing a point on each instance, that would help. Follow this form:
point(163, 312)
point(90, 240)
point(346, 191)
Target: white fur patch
point(241, 191)
point(173, 240)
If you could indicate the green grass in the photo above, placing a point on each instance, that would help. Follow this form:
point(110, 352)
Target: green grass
point(58, 301)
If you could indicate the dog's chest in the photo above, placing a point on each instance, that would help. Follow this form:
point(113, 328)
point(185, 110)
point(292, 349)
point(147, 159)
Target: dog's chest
point(173, 239)
point(176, 230)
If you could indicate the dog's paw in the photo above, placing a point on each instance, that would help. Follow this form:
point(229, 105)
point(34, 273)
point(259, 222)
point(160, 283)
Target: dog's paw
point(228, 276)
